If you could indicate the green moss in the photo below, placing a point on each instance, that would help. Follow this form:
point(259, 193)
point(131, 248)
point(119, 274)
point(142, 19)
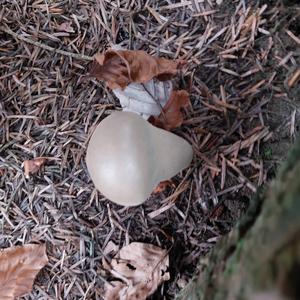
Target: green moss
point(240, 247)
point(231, 266)
point(263, 249)
point(268, 153)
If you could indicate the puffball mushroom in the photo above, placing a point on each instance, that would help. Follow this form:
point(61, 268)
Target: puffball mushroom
point(127, 157)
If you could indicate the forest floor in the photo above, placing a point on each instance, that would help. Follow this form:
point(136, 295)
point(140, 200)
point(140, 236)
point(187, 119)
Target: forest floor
point(244, 61)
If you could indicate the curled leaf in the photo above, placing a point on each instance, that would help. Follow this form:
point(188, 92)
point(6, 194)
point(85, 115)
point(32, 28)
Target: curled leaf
point(145, 99)
point(172, 116)
point(33, 165)
point(162, 186)
point(118, 68)
point(18, 269)
point(250, 23)
point(140, 268)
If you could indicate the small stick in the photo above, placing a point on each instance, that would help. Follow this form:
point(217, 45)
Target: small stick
point(46, 47)
point(293, 78)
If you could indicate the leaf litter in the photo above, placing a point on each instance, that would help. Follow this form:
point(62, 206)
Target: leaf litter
point(65, 26)
point(118, 68)
point(76, 216)
point(145, 99)
point(138, 269)
point(18, 268)
point(172, 116)
point(33, 165)
point(139, 82)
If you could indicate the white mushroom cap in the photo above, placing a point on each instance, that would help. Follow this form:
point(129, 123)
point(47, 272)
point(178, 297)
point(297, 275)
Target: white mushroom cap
point(127, 157)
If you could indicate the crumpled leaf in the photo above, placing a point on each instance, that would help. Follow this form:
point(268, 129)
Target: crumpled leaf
point(33, 165)
point(171, 116)
point(252, 20)
point(145, 99)
point(18, 269)
point(118, 68)
point(140, 268)
point(162, 186)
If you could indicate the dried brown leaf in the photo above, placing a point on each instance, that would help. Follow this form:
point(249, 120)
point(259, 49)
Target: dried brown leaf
point(172, 116)
point(115, 290)
point(247, 26)
point(118, 68)
point(163, 185)
point(33, 165)
point(141, 269)
point(18, 269)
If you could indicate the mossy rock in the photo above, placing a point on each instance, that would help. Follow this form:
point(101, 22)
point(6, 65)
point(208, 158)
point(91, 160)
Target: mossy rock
point(260, 258)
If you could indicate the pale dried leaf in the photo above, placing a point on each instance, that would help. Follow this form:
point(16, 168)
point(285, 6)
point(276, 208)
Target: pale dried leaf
point(115, 290)
point(66, 26)
point(247, 26)
point(122, 291)
point(33, 165)
point(145, 99)
point(141, 268)
point(18, 269)
point(110, 247)
point(106, 266)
